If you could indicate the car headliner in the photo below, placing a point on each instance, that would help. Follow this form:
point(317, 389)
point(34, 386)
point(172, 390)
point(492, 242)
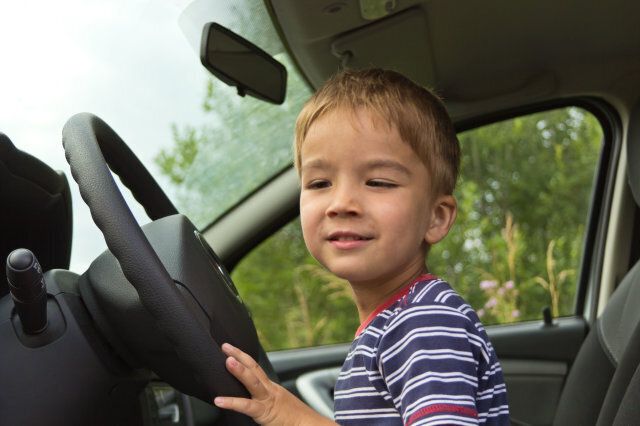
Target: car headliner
point(479, 56)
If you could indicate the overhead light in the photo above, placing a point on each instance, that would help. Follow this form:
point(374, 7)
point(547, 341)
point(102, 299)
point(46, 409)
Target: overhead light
point(376, 9)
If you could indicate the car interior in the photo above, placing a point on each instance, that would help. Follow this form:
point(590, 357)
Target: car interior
point(135, 338)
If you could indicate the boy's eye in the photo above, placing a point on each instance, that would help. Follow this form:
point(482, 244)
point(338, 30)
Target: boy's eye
point(318, 184)
point(378, 183)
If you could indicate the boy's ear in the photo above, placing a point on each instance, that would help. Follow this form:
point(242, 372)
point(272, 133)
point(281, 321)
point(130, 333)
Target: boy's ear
point(443, 214)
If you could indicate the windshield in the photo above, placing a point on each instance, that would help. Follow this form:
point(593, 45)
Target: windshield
point(135, 64)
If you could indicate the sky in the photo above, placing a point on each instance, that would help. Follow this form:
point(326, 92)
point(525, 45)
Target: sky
point(126, 61)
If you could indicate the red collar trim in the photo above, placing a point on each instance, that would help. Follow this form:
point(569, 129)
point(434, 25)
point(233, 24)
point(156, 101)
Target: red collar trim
point(391, 300)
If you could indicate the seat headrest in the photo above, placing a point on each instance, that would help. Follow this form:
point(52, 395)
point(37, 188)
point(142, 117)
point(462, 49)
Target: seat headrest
point(36, 210)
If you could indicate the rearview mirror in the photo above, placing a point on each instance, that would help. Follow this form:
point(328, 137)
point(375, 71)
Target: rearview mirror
point(240, 63)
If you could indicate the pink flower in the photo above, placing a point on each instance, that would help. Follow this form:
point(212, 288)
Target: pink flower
point(501, 291)
point(509, 285)
point(488, 284)
point(491, 303)
point(515, 313)
point(480, 313)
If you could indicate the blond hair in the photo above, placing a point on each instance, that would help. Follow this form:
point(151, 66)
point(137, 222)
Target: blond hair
point(419, 116)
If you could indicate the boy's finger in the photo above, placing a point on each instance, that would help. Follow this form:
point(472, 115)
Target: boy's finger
point(245, 360)
point(248, 378)
point(241, 405)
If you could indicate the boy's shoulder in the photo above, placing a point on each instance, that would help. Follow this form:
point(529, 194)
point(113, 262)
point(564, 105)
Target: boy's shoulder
point(430, 290)
point(430, 315)
point(427, 298)
point(431, 294)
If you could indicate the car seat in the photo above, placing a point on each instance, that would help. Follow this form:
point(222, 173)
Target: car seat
point(36, 210)
point(603, 386)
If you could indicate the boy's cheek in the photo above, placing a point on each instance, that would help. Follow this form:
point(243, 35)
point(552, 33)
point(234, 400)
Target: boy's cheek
point(309, 228)
point(310, 209)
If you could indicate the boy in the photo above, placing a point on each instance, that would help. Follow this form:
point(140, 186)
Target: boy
point(378, 160)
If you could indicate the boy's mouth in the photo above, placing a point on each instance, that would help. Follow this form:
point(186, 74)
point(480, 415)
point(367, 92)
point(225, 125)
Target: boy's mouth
point(347, 240)
point(347, 236)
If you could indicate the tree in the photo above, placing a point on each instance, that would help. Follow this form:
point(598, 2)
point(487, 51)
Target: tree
point(293, 300)
point(246, 141)
point(538, 171)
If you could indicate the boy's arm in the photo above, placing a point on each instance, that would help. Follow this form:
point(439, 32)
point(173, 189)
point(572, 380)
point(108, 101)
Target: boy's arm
point(270, 403)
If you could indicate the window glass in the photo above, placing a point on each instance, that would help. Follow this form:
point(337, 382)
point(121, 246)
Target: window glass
point(294, 301)
point(243, 141)
point(523, 201)
point(523, 195)
point(136, 65)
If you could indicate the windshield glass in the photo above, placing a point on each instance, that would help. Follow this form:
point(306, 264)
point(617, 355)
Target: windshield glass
point(136, 65)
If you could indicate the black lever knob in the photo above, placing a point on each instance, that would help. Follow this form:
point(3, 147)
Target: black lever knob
point(28, 290)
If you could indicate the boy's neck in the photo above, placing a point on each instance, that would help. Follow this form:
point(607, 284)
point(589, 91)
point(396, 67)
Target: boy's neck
point(370, 295)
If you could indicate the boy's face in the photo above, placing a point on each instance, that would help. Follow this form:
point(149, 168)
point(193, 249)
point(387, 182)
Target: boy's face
point(366, 211)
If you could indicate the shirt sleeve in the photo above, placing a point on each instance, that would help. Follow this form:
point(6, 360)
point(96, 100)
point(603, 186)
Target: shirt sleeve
point(427, 357)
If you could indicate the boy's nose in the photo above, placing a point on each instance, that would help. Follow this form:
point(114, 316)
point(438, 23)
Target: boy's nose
point(344, 203)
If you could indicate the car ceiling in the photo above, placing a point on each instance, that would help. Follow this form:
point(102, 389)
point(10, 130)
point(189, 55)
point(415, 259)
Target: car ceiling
point(479, 56)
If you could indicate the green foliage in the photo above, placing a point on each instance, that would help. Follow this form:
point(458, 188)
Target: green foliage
point(176, 163)
point(244, 142)
point(538, 170)
point(293, 300)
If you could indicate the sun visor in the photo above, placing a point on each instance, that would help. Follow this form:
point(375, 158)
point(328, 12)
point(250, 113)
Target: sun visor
point(400, 43)
point(633, 152)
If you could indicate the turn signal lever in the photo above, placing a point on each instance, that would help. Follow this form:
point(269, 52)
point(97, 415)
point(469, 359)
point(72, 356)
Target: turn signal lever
point(28, 290)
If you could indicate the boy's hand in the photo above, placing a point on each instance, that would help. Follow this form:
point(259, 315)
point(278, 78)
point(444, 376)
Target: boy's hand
point(270, 403)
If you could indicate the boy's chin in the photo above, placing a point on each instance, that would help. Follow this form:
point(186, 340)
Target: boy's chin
point(353, 275)
point(355, 271)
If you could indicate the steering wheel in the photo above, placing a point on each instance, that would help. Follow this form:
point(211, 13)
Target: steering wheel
point(160, 295)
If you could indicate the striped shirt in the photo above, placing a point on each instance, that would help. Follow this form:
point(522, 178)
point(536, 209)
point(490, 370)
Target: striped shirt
point(422, 358)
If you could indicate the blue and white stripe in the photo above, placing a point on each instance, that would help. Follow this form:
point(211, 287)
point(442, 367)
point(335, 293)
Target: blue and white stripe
point(424, 360)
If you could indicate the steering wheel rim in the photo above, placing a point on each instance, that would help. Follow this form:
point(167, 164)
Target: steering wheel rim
point(83, 136)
